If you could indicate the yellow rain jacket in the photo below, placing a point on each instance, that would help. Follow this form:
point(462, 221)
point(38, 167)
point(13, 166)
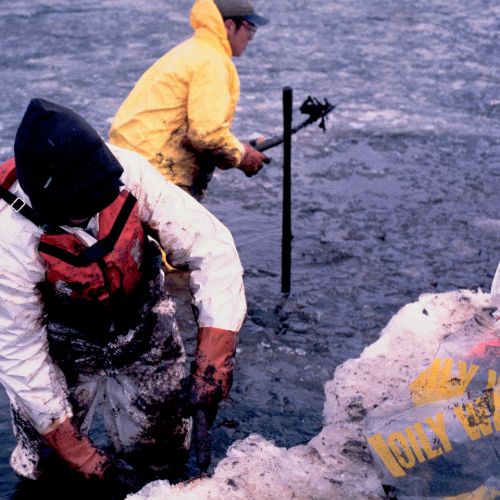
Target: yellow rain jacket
point(180, 111)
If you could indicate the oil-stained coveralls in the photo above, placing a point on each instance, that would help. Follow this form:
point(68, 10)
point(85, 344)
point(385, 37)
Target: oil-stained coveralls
point(62, 360)
point(180, 112)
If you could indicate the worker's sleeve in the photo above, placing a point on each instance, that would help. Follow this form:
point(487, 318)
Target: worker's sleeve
point(190, 236)
point(211, 105)
point(27, 372)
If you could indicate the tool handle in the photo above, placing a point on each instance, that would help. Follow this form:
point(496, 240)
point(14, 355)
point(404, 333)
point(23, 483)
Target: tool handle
point(201, 432)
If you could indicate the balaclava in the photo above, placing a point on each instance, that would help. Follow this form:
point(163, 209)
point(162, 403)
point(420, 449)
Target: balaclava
point(63, 165)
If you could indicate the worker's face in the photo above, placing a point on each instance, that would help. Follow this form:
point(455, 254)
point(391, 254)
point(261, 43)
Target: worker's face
point(239, 37)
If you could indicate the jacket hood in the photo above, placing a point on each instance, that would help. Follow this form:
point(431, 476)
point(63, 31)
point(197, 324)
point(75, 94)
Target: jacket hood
point(63, 165)
point(207, 22)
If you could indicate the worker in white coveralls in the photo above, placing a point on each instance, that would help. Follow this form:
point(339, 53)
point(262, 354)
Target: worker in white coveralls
point(86, 324)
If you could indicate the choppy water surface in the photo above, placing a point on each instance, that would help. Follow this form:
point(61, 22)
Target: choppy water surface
point(399, 197)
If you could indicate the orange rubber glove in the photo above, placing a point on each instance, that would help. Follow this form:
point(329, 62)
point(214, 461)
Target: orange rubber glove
point(210, 381)
point(77, 450)
point(214, 362)
point(252, 161)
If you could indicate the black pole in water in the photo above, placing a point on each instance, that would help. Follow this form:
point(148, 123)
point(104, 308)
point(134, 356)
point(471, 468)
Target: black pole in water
point(286, 242)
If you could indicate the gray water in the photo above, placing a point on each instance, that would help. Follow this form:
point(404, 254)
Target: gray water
point(399, 197)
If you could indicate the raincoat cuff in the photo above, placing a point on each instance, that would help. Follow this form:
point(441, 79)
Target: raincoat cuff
point(241, 151)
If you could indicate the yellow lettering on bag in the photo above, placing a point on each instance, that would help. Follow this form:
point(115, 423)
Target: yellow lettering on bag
point(475, 418)
point(465, 375)
point(401, 449)
point(425, 388)
point(439, 428)
point(414, 444)
point(426, 446)
point(437, 382)
point(496, 408)
point(492, 379)
point(378, 444)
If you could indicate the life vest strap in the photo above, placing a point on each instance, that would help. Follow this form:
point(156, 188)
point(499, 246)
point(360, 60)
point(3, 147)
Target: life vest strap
point(100, 249)
point(18, 205)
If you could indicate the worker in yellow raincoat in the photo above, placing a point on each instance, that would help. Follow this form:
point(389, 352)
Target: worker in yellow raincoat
point(179, 114)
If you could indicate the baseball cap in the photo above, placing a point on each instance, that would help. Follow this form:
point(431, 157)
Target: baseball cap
point(240, 8)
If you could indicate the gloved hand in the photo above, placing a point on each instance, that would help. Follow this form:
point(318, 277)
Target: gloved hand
point(252, 160)
point(76, 449)
point(214, 362)
point(82, 456)
point(212, 370)
point(196, 394)
point(210, 381)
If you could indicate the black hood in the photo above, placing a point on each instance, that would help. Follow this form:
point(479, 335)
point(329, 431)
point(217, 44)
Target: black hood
point(63, 165)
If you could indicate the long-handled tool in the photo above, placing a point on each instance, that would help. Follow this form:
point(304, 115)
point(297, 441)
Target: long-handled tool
point(202, 439)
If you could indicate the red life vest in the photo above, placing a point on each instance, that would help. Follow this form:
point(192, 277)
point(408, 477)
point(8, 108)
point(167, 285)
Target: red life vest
point(110, 267)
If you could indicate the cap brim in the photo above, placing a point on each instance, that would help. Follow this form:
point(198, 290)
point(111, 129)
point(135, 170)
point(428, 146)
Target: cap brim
point(256, 19)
